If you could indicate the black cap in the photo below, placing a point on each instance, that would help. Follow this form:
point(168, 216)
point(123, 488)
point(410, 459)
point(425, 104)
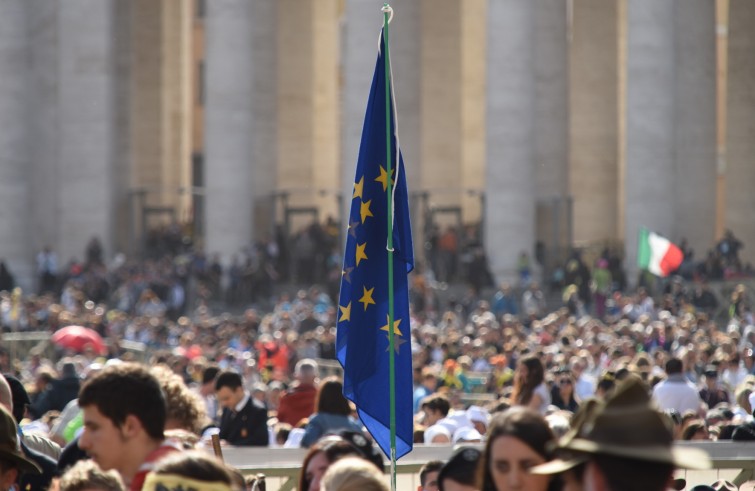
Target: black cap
point(461, 467)
point(19, 395)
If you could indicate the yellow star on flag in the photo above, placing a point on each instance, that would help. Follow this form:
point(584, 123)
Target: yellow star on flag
point(345, 313)
point(360, 252)
point(383, 177)
point(396, 322)
point(358, 186)
point(364, 210)
point(367, 297)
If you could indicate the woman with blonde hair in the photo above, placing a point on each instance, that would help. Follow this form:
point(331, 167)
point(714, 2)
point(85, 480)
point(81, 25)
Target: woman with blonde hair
point(353, 474)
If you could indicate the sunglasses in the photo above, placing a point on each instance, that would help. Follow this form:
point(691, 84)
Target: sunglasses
point(564, 381)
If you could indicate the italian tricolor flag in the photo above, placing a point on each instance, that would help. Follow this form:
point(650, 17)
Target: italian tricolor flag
point(658, 254)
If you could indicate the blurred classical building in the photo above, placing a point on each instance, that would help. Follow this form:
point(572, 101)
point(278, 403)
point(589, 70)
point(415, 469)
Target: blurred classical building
point(552, 121)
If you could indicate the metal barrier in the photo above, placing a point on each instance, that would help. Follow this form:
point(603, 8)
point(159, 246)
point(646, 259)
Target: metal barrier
point(734, 461)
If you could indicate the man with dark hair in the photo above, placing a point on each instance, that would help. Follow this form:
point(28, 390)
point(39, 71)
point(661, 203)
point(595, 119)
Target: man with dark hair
point(244, 419)
point(676, 392)
point(622, 444)
point(124, 417)
point(460, 472)
point(428, 476)
point(207, 391)
point(435, 407)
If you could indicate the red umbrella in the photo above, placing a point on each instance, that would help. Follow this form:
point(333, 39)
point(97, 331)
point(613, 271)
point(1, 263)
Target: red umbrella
point(79, 338)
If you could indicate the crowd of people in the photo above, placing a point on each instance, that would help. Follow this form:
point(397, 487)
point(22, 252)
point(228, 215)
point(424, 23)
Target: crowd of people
point(506, 365)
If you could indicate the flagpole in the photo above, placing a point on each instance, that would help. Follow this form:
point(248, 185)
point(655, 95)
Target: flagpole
point(387, 11)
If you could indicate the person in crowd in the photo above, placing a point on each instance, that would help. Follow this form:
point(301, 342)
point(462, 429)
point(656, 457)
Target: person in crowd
point(62, 391)
point(299, 401)
point(624, 444)
point(711, 394)
point(428, 385)
point(434, 408)
point(562, 392)
point(334, 412)
point(87, 476)
point(191, 470)
point(353, 474)
point(676, 392)
point(529, 385)
point(519, 439)
point(460, 472)
point(206, 391)
point(13, 463)
point(428, 475)
point(31, 481)
point(322, 455)
point(124, 418)
point(244, 419)
point(185, 410)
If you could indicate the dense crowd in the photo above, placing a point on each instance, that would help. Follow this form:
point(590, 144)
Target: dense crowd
point(475, 354)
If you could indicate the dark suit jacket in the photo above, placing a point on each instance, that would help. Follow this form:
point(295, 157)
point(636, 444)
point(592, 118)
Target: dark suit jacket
point(37, 482)
point(248, 427)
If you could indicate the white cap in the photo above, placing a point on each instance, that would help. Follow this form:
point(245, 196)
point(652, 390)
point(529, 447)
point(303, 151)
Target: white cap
point(476, 413)
point(434, 431)
point(466, 435)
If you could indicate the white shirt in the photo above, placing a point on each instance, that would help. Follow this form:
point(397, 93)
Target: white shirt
point(678, 393)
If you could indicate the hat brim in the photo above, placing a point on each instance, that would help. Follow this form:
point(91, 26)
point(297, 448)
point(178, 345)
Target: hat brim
point(558, 466)
point(23, 464)
point(685, 458)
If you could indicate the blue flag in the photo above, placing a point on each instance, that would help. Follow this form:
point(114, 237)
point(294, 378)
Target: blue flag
point(362, 340)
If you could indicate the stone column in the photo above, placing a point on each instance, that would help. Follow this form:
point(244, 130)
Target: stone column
point(509, 185)
point(650, 139)
point(362, 21)
point(229, 126)
point(264, 124)
point(85, 133)
point(15, 200)
point(694, 188)
point(593, 120)
point(740, 168)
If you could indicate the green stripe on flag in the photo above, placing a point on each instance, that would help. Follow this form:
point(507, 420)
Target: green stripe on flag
point(643, 251)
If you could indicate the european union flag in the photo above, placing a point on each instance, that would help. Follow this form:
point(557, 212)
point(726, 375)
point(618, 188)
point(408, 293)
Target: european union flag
point(362, 340)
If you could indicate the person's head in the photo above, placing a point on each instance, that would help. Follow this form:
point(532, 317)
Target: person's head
point(330, 398)
point(85, 475)
point(124, 412)
point(435, 407)
point(189, 470)
point(320, 456)
point(428, 476)
point(696, 430)
point(460, 472)
point(565, 383)
point(529, 374)
point(19, 397)
point(518, 439)
point(12, 460)
point(209, 374)
point(186, 410)
point(306, 371)
point(674, 366)
point(353, 474)
point(229, 389)
point(624, 436)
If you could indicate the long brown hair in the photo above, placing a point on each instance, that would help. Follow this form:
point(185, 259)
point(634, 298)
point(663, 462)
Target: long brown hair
point(521, 423)
point(523, 390)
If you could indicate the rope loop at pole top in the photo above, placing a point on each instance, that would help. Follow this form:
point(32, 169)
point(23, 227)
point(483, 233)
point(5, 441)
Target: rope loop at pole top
point(387, 8)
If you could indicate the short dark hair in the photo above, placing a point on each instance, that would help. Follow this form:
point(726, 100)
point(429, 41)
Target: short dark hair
point(232, 380)
point(436, 402)
point(124, 389)
point(194, 465)
point(330, 398)
point(674, 365)
point(432, 466)
point(209, 374)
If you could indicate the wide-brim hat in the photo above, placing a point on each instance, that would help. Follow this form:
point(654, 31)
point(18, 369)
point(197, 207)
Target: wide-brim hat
point(627, 426)
point(10, 450)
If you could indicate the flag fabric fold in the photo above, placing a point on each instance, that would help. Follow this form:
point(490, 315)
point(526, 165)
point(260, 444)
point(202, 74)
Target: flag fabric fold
point(362, 342)
point(657, 254)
